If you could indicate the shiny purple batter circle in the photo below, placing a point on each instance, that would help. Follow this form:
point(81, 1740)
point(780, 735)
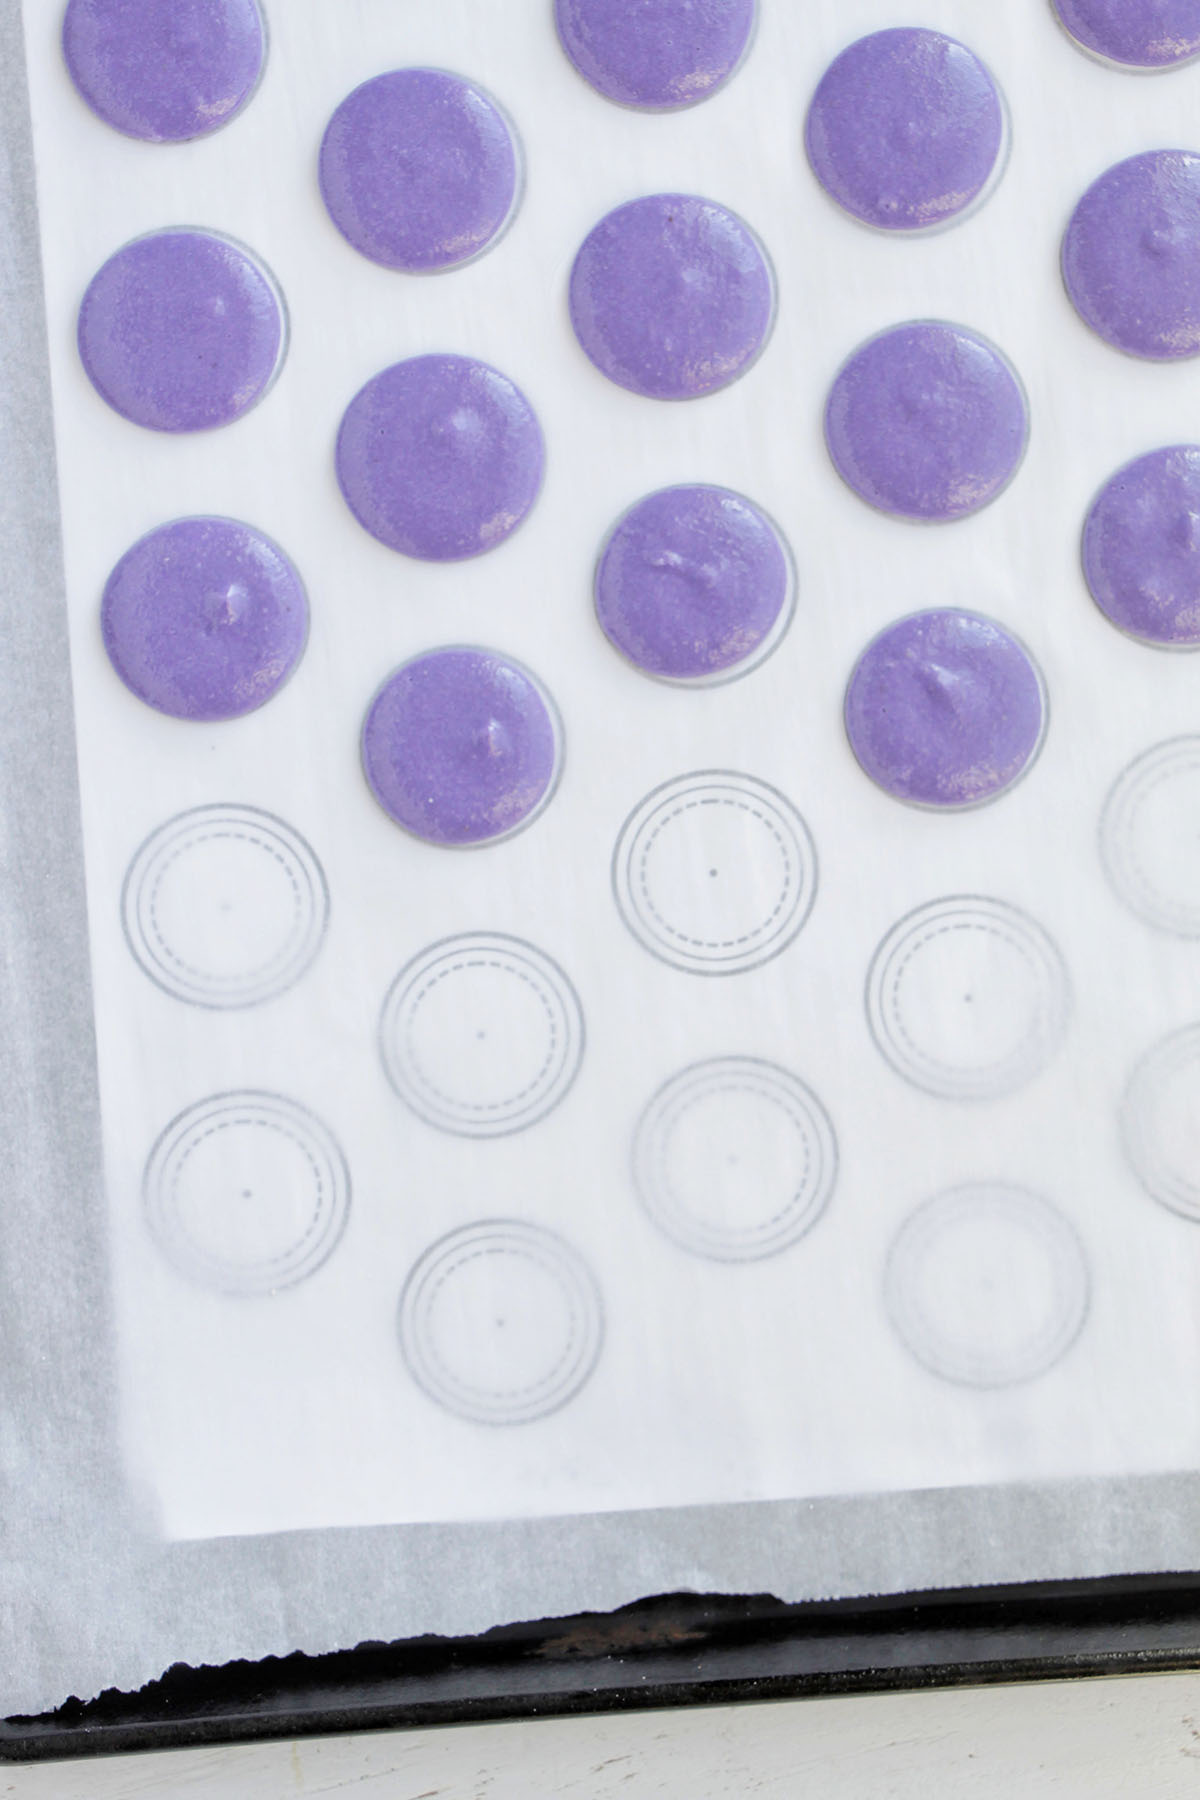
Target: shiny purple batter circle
point(1141, 548)
point(182, 331)
point(204, 619)
point(419, 170)
point(906, 130)
point(1134, 34)
point(655, 54)
point(1131, 255)
point(440, 457)
point(927, 421)
point(461, 746)
point(693, 584)
point(164, 70)
point(671, 296)
point(945, 709)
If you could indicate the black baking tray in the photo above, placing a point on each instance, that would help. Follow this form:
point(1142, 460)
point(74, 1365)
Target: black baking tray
point(674, 1650)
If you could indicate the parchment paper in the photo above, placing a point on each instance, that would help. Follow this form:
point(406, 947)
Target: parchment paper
point(747, 1428)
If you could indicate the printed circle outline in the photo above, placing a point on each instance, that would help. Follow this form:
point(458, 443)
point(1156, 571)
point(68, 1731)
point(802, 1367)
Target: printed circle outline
point(1165, 1183)
point(906, 940)
point(692, 1087)
point(572, 1367)
point(1149, 772)
point(234, 1110)
point(670, 801)
point(538, 1096)
point(173, 972)
point(934, 1346)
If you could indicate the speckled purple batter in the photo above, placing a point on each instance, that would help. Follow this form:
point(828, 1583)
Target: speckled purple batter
point(164, 70)
point(905, 129)
point(1138, 34)
point(692, 584)
point(671, 296)
point(927, 421)
point(1141, 547)
point(181, 331)
point(461, 746)
point(204, 619)
point(419, 170)
point(440, 457)
point(1131, 255)
point(657, 54)
point(945, 709)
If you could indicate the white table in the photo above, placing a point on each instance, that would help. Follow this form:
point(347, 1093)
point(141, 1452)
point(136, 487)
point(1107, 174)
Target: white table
point(1128, 1738)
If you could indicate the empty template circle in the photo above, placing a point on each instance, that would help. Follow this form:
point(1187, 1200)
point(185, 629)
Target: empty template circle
point(715, 872)
point(735, 1159)
point(482, 1034)
point(927, 421)
point(419, 170)
point(182, 330)
point(1131, 255)
point(501, 1322)
point(225, 906)
point(906, 129)
point(1160, 1122)
point(655, 54)
point(671, 296)
point(694, 585)
point(204, 619)
point(987, 1285)
point(440, 457)
point(246, 1193)
point(1150, 837)
point(164, 70)
point(967, 998)
point(1134, 34)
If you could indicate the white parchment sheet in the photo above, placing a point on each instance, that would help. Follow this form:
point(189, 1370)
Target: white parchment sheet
point(773, 1376)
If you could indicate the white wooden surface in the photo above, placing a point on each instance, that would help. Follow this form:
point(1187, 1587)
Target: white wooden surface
point(1121, 1739)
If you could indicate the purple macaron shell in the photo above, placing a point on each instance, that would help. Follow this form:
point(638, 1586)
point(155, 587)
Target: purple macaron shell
point(1137, 34)
point(181, 331)
point(419, 170)
point(440, 457)
point(656, 54)
point(461, 746)
point(905, 129)
point(927, 421)
point(1131, 255)
point(204, 619)
point(164, 70)
point(692, 584)
point(671, 296)
point(945, 709)
point(1141, 548)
